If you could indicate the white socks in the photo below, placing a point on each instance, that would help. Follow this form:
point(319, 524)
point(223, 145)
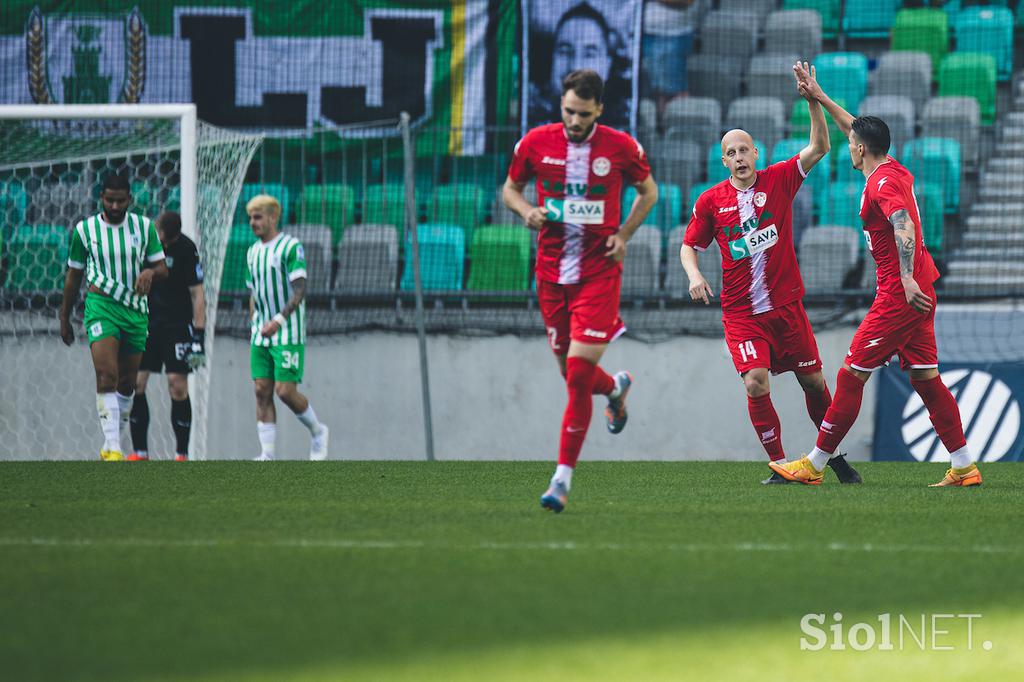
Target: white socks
point(267, 432)
point(819, 458)
point(110, 420)
point(563, 475)
point(961, 458)
point(124, 404)
point(308, 418)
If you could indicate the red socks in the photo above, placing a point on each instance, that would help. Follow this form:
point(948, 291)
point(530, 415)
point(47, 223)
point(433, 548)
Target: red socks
point(943, 411)
point(580, 378)
point(843, 411)
point(817, 405)
point(766, 424)
point(603, 382)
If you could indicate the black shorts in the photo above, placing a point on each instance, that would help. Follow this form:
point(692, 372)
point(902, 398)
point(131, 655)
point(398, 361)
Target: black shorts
point(166, 350)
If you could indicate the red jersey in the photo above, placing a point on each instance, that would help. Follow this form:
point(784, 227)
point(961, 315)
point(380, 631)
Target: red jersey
point(754, 230)
point(580, 185)
point(889, 188)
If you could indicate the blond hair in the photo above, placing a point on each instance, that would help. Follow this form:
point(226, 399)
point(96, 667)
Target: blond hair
point(264, 203)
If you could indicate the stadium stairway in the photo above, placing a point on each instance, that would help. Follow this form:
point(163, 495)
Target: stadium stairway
point(991, 254)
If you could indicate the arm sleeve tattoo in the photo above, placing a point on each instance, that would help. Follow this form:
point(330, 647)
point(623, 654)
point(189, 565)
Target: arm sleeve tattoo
point(903, 228)
point(298, 293)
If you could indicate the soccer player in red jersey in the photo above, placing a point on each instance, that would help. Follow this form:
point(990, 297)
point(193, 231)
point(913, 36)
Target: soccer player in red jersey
point(581, 167)
point(750, 215)
point(901, 319)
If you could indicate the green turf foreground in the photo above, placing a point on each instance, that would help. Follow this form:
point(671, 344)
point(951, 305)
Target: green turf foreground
point(450, 571)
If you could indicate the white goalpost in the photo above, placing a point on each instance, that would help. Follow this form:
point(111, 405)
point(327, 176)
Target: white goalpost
point(53, 159)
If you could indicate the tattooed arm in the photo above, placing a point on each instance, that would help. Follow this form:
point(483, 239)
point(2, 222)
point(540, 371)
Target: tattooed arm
point(906, 242)
point(298, 293)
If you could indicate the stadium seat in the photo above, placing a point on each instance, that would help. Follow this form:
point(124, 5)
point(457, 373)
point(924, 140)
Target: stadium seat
point(869, 278)
point(666, 213)
point(843, 205)
point(796, 31)
point(970, 74)
point(930, 204)
point(499, 259)
point(502, 214)
point(679, 163)
point(844, 170)
point(771, 75)
point(729, 33)
point(827, 9)
point(367, 260)
point(844, 76)
point(803, 212)
point(318, 245)
point(907, 74)
point(483, 170)
point(249, 190)
point(958, 118)
point(694, 194)
point(759, 8)
point(442, 257)
point(800, 123)
point(922, 30)
point(13, 206)
point(988, 30)
point(898, 113)
point(704, 73)
point(718, 172)
point(642, 266)
point(37, 256)
point(827, 254)
point(869, 18)
point(677, 284)
point(698, 119)
point(763, 117)
point(143, 200)
point(936, 159)
point(331, 205)
point(62, 203)
point(385, 204)
point(233, 278)
point(818, 179)
point(646, 115)
point(462, 204)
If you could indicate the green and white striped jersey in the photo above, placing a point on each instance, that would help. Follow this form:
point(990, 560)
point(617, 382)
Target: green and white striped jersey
point(273, 266)
point(114, 255)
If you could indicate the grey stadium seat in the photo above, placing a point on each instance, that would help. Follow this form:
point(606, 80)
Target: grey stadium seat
point(642, 266)
point(709, 261)
point(367, 260)
point(694, 118)
point(763, 117)
point(794, 31)
point(903, 73)
point(771, 75)
point(760, 8)
point(679, 162)
point(803, 210)
point(317, 244)
point(61, 204)
point(869, 280)
point(958, 118)
point(704, 72)
point(898, 113)
point(827, 254)
point(732, 33)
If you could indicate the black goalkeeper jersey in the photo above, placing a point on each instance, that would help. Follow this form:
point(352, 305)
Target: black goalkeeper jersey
point(170, 303)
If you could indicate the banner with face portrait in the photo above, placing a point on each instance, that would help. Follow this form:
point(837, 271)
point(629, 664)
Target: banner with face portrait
point(560, 36)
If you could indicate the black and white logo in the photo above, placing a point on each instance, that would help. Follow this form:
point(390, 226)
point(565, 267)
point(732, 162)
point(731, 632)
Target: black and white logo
point(988, 409)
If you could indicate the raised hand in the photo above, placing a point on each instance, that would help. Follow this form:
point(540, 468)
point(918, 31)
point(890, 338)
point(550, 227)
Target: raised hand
point(807, 81)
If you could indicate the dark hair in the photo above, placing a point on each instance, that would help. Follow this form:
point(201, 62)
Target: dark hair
point(116, 182)
point(873, 133)
point(170, 223)
point(586, 11)
point(585, 83)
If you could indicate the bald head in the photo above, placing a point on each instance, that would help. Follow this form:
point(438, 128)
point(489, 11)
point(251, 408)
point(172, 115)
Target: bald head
point(739, 155)
point(735, 137)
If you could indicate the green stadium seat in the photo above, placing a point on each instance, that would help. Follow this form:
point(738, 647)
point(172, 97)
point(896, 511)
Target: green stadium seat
point(666, 214)
point(249, 190)
point(844, 75)
point(692, 196)
point(143, 200)
point(800, 123)
point(499, 259)
point(442, 257)
point(13, 206)
point(970, 74)
point(843, 205)
point(922, 30)
point(936, 159)
point(717, 172)
point(331, 205)
point(869, 18)
point(485, 170)
point(385, 204)
point(818, 179)
point(460, 204)
point(828, 9)
point(235, 268)
point(988, 30)
point(930, 203)
point(37, 258)
point(845, 172)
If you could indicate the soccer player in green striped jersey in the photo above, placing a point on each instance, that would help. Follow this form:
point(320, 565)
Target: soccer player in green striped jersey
point(111, 249)
point(277, 280)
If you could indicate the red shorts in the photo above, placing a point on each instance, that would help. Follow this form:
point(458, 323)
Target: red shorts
point(587, 312)
point(780, 340)
point(894, 328)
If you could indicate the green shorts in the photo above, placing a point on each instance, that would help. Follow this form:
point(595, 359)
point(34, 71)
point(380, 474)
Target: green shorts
point(280, 363)
point(106, 317)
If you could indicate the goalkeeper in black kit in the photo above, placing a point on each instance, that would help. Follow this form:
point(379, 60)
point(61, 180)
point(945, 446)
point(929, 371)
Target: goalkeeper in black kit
point(176, 343)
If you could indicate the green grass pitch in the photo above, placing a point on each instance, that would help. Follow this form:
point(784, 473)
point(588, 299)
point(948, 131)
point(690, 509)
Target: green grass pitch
point(451, 571)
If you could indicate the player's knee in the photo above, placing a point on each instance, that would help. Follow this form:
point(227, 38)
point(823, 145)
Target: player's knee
point(756, 383)
point(264, 392)
point(178, 390)
point(284, 390)
point(580, 377)
point(813, 383)
point(106, 381)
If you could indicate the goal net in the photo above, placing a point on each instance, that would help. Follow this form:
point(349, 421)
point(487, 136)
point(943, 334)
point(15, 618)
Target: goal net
point(52, 163)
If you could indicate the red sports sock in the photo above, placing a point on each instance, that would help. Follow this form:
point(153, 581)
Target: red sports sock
point(580, 382)
point(603, 382)
point(843, 411)
point(943, 411)
point(766, 424)
point(817, 405)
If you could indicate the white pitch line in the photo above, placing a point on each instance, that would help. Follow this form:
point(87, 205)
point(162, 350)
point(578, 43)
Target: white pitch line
point(350, 543)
